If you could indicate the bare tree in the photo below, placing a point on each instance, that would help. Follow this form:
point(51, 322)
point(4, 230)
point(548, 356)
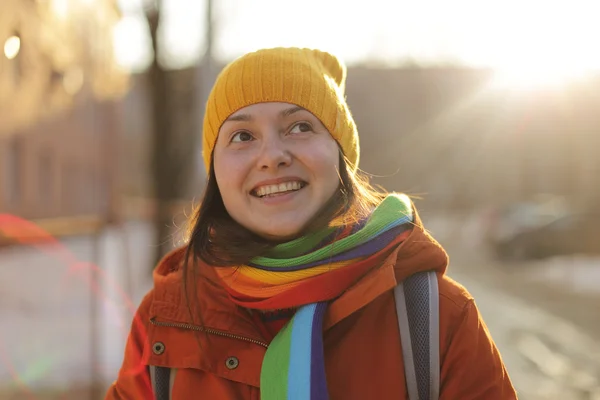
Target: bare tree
point(173, 137)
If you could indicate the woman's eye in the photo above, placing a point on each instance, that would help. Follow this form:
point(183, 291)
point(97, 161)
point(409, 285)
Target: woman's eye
point(242, 136)
point(301, 127)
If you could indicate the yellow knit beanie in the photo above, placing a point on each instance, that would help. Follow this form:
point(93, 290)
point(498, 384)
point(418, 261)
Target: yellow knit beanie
point(311, 79)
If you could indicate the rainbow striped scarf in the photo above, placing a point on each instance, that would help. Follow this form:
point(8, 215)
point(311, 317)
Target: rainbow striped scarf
point(307, 273)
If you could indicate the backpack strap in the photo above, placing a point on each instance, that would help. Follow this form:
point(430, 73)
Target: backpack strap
point(417, 307)
point(162, 382)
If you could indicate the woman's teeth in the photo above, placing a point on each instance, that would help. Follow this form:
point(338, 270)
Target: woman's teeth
point(280, 188)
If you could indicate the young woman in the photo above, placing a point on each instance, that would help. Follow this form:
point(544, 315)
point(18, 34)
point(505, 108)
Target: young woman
point(286, 286)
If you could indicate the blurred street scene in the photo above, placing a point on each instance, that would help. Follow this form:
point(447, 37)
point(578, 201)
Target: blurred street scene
point(495, 134)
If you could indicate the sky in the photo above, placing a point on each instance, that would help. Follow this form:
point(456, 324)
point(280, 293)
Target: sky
point(520, 36)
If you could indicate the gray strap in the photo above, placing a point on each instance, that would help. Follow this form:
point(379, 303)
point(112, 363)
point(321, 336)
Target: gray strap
point(162, 379)
point(417, 307)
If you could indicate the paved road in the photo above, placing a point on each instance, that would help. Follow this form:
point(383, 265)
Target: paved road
point(45, 324)
point(546, 357)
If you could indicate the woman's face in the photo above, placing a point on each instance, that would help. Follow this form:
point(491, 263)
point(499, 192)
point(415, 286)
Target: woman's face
point(276, 166)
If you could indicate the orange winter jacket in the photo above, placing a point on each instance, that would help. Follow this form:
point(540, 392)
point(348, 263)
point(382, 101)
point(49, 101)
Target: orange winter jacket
point(363, 354)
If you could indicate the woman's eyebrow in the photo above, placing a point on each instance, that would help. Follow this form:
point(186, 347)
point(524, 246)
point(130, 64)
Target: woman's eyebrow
point(289, 111)
point(282, 114)
point(240, 117)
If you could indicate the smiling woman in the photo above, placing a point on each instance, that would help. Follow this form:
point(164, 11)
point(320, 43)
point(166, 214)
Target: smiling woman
point(287, 286)
point(252, 146)
point(251, 153)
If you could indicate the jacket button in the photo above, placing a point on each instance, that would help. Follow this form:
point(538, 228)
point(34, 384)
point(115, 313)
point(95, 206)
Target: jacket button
point(158, 348)
point(232, 362)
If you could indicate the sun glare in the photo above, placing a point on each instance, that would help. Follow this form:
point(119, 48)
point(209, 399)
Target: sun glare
point(551, 65)
point(533, 43)
point(536, 76)
point(545, 45)
point(12, 47)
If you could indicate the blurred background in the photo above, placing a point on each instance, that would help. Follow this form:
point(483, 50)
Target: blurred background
point(488, 113)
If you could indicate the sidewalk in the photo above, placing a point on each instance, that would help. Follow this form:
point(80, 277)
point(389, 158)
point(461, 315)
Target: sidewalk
point(45, 303)
point(547, 357)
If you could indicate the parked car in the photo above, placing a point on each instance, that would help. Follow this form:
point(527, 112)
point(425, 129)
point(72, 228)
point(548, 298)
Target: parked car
point(570, 234)
point(502, 223)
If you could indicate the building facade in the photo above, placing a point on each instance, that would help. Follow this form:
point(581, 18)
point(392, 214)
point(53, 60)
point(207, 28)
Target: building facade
point(59, 91)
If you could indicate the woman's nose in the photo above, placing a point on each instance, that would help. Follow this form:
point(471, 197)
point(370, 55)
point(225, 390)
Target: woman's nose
point(274, 154)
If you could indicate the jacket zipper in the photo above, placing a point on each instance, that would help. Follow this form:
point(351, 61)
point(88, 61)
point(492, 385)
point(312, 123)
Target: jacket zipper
point(207, 330)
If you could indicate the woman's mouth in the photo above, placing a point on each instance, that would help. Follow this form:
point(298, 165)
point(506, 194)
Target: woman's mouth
point(278, 189)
